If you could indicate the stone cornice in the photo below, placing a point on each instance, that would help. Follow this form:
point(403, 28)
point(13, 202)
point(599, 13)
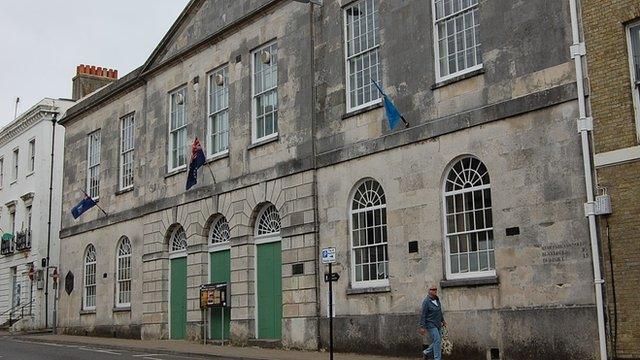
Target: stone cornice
point(25, 121)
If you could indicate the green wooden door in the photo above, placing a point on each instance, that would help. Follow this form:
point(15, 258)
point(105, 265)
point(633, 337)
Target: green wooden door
point(269, 291)
point(220, 262)
point(178, 299)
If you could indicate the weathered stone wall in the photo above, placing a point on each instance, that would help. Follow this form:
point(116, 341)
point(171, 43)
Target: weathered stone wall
point(293, 197)
point(517, 115)
point(106, 319)
point(247, 176)
point(525, 48)
point(536, 185)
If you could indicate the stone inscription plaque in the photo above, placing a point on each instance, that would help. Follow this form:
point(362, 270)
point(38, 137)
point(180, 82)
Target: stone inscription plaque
point(560, 253)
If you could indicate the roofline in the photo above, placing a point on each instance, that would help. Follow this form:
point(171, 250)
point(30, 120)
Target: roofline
point(146, 69)
point(103, 95)
point(136, 77)
point(172, 30)
point(37, 112)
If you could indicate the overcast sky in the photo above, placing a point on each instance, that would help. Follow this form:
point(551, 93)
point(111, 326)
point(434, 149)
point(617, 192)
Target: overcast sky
point(42, 42)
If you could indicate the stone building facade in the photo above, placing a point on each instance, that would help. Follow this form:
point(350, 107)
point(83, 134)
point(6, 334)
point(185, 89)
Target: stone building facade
point(25, 174)
point(482, 193)
point(613, 57)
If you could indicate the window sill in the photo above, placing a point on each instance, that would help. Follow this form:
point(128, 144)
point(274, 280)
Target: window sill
point(13, 182)
point(175, 172)
point(124, 191)
point(29, 174)
point(363, 110)
point(368, 290)
point(455, 79)
point(490, 280)
point(264, 142)
point(88, 312)
point(122, 309)
point(218, 156)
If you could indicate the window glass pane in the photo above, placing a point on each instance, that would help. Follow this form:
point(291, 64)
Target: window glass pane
point(362, 41)
point(457, 22)
point(466, 193)
point(369, 232)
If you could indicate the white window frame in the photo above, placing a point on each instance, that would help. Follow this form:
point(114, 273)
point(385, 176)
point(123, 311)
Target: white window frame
point(89, 266)
point(182, 252)
point(212, 90)
point(635, 90)
point(376, 97)
point(170, 165)
point(32, 157)
point(439, 76)
point(29, 214)
point(123, 271)
point(366, 283)
point(214, 231)
point(92, 139)
point(12, 221)
point(446, 234)
point(254, 96)
point(15, 155)
point(127, 146)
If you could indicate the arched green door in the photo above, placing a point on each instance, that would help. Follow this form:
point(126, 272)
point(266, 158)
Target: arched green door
point(178, 301)
point(269, 279)
point(220, 262)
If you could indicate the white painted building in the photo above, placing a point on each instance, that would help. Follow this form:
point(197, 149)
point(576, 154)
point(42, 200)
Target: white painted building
point(25, 174)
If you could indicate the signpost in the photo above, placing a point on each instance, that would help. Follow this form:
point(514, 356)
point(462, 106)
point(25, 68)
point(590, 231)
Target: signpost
point(329, 257)
point(213, 295)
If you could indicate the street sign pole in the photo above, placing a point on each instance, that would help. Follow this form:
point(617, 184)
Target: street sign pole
point(328, 256)
point(330, 314)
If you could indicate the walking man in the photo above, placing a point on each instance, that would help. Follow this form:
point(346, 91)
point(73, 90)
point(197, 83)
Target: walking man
point(432, 321)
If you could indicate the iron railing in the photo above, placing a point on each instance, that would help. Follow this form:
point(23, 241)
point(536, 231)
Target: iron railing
point(23, 240)
point(7, 245)
point(12, 315)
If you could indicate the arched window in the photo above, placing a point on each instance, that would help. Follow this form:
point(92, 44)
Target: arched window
point(268, 221)
point(369, 251)
point(178, 240)
point(123, 273)
point(468, 220)
point(89, 278)
point(219, 232)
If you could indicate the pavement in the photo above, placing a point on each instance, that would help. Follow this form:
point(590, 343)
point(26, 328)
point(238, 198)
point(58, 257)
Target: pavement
point(67, 347)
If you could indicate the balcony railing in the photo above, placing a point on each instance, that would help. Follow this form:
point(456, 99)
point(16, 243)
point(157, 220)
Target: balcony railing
point(6, 244)
point(23, 240)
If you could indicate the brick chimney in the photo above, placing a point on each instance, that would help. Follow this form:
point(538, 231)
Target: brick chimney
point(90, 78)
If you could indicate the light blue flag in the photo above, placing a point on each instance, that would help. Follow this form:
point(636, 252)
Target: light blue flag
point(393, 115)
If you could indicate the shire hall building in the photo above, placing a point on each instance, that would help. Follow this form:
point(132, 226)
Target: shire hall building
point(481, 193)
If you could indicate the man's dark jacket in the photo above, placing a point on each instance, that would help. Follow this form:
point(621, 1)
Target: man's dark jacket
point(431, 314)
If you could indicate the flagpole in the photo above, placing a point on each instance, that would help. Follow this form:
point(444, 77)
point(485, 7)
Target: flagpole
point(404, 121)
point(211, 171)
point(99, 207)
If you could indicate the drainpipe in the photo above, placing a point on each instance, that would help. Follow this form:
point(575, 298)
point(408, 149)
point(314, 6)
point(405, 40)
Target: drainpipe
point(46, 278)
point(585, 125)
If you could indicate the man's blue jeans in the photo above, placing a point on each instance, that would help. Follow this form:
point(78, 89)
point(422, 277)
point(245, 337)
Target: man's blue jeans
point(436, 345)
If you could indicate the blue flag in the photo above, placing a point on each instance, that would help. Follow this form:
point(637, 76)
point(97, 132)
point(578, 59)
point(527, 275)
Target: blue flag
point(84, 205)
point(197, 160)
point(393, 115)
